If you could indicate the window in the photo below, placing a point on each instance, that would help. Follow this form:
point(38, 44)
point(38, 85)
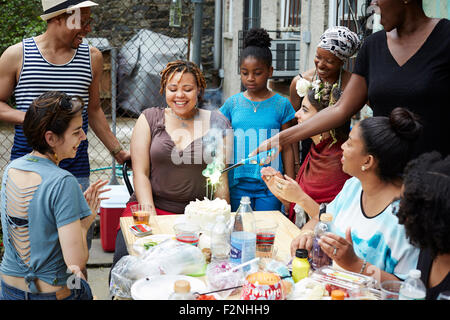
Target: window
point(291, 13)
point(252, 14)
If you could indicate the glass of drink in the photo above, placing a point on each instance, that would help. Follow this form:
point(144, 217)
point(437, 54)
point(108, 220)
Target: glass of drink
point(390, 289)
point(265, 232)
point(266, 251)
point(187, 233)
point(141, 213)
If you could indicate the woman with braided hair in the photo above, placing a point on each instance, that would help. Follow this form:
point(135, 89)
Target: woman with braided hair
point(168, 144)
point(320, 175)
point(172, 145)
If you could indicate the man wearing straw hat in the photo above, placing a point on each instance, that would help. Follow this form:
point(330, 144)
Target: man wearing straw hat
point(58, 60)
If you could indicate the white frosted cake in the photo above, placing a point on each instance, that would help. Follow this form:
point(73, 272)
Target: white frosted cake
point(204, 212)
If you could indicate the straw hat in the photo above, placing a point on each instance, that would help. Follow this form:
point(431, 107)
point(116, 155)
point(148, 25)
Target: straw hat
point(53, 8)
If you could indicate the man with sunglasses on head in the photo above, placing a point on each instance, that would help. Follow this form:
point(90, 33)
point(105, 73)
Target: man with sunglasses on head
point(58, 60)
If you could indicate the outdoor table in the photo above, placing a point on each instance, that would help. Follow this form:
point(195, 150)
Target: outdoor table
point(286, 232)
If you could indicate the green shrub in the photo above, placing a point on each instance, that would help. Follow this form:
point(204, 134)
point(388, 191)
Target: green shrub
point(20, 19)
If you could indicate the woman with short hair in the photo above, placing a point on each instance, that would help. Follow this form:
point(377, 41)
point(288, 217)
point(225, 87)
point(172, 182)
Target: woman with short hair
point(45, 216)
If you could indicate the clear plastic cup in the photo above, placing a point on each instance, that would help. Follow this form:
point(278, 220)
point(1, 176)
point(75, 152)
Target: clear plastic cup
point(142, 213)
point(266, 231)
point(390, 289)
point(187, 233)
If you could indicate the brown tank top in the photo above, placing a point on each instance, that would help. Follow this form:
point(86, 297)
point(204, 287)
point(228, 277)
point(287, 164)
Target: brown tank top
point(176, 183)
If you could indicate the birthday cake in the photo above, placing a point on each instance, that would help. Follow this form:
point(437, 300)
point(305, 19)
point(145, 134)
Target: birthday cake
point(204, 212)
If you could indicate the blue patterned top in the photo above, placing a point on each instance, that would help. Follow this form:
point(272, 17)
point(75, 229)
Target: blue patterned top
point(381, 240)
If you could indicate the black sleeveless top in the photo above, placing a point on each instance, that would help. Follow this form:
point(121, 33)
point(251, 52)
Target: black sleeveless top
point(424, 265)
point(420, 85)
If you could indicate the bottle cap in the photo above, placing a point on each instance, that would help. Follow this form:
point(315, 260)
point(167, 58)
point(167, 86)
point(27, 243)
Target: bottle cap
point(337, 295)
point(301, 253)
point(182, 286)
point(415, 274)
point(245, 199)
point(326, 217)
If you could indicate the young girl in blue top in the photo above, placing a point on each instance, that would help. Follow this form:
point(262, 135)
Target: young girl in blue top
point(255, 115)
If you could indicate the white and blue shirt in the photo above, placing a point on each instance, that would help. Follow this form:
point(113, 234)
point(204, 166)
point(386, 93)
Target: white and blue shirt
point(381, 240)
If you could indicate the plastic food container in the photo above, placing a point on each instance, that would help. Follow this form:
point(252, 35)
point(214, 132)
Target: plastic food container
point(347, 281)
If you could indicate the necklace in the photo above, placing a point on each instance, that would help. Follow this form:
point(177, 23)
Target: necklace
point(255, 107)
point(183, 123)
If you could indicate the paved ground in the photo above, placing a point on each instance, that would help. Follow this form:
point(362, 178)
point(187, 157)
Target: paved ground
point(99, 265)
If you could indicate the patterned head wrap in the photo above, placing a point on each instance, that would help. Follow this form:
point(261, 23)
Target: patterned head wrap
point(340, 41)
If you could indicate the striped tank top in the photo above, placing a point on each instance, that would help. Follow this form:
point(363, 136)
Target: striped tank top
point(39, 76)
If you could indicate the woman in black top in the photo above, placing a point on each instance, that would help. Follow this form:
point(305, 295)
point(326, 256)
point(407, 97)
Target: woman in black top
point(425, 212)
point(405, 65)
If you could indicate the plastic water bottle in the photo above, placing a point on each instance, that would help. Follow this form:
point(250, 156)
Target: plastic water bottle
point(220, 240)
point(243, 236)
point(320, 258)
point(413, 288)
point(182, 291)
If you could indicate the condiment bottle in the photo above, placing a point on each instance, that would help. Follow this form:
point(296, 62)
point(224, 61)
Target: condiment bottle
point(182, 291)
point(300, 265)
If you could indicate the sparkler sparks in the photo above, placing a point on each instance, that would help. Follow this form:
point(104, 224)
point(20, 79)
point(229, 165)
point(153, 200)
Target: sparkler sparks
point(212, 173)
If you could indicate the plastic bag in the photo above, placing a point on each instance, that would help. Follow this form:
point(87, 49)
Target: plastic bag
point(169, 257)
point(126, 271)
point(174, 257)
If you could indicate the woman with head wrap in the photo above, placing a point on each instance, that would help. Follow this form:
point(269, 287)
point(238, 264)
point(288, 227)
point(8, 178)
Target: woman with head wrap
point(336, 45)
point(407, 64)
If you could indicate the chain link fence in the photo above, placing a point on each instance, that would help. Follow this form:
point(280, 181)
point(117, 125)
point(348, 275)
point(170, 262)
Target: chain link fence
point(137, 39)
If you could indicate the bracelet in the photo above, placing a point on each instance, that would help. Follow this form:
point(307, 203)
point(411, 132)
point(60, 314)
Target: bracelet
point(297, 163)
point(307, 232)
point(363, 266)
point(116, 150)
